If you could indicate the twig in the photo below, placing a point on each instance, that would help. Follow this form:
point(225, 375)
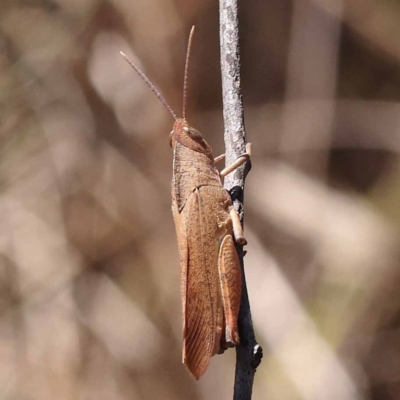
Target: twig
point(248, 353)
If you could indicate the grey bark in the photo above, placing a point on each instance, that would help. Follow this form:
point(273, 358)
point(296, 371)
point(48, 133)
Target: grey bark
point(248, 353)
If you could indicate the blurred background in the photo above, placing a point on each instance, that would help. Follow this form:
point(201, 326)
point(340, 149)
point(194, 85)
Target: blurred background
point(89, 273)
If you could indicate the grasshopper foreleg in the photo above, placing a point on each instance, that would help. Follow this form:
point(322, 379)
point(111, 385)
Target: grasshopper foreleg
point(219, 158)
point(239, 161)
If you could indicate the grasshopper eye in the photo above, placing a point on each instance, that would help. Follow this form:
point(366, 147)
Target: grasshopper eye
point(194, 134)
point(170, 138)
point(197, 136)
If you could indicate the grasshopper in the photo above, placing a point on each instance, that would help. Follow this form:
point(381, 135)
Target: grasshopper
point(207, 226)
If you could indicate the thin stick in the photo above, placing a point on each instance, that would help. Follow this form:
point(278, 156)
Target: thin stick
point(149, 84)
point(185, 78)
point(248, 353)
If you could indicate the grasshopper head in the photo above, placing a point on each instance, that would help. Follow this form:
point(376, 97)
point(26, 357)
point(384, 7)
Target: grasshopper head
point(189, 137)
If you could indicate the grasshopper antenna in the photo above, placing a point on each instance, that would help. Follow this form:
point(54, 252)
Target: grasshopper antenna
point(185, 79)
point(150, 85)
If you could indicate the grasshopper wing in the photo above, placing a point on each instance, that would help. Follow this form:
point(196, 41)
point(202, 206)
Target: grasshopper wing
point(202, 306)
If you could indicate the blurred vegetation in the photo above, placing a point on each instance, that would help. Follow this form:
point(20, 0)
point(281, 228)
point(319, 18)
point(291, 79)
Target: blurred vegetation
point(89, 274)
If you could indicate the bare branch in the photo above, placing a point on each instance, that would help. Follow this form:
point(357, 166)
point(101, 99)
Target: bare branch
point(248, 353)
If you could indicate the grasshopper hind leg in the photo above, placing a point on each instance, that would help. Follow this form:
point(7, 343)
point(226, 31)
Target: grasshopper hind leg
point(231, 287)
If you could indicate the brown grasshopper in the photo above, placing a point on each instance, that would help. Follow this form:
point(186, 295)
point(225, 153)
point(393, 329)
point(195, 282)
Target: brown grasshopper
point(206, 226)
